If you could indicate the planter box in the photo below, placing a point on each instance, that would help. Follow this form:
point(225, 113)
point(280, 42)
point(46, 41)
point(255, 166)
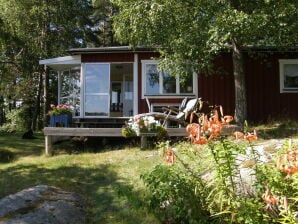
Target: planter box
point(60, 120)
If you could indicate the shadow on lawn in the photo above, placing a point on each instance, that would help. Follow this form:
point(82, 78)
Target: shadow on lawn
point(99, 186)
point(280, 131)
point(22, 147)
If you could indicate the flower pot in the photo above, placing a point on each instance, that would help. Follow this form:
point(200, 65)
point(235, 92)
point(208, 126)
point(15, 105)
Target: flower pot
point(60, 120)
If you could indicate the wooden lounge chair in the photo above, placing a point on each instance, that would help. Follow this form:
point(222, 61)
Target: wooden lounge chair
point(180, 116)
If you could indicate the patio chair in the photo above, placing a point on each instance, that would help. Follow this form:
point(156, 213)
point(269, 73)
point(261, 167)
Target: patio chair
point(180, 116)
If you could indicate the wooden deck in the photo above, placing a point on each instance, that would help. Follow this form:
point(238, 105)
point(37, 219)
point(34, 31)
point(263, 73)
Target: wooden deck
point(52, 133)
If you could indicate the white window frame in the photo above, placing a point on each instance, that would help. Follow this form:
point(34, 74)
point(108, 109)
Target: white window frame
point(284, 89)
point(79, 96)
point(161, 94)
point(83, 82)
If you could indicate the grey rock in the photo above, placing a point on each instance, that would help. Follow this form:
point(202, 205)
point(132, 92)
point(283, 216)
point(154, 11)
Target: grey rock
point(42, 204)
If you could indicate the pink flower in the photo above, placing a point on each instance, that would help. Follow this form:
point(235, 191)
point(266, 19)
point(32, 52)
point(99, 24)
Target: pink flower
point(52, 106)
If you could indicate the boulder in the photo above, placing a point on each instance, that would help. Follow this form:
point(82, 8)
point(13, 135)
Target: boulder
point(42, 204)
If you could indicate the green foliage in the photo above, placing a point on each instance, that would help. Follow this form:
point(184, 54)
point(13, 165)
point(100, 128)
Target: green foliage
point(17, 120)
point(193, 31)
point(209, 180)
point(128, 132)
point(34, 30)
point(173, 196)
point(282, 186)
point(189, 34)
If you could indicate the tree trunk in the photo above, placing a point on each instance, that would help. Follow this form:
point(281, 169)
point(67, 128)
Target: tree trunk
point(46, 96)
point(2, 119)
point(37, 103)
point(240, 88)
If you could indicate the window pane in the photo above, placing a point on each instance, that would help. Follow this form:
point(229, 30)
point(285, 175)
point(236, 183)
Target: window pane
point(291, 76)
point(152, 79)
point(186, 85)
point(74, 103)
point(96, 78)
point(70, 89)
point(70, 83)
point(169, 83)
point(96, 105)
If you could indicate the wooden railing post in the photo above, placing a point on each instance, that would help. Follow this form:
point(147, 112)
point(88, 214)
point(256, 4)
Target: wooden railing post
point(48, 145)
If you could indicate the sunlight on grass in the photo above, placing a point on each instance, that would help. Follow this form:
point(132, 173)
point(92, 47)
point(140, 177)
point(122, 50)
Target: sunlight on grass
point(100, 177)
point(108, 179)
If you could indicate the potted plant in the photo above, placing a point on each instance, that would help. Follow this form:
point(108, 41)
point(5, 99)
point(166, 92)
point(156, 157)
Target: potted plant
point(60, 114)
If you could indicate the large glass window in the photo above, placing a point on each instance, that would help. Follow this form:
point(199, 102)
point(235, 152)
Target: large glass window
point(158, 82)
point(70, 89)
point(288, 75)
point(97, 89)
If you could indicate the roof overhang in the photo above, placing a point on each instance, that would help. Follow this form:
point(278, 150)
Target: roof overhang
point(115, 49)
point(62, 63)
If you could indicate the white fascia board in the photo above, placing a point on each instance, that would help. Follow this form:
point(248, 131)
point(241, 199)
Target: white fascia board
point(61, 63)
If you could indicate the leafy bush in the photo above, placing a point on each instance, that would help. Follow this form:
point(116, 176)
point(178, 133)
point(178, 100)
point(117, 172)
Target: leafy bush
point(224, 181)
point(16, 120)
point(173, 196)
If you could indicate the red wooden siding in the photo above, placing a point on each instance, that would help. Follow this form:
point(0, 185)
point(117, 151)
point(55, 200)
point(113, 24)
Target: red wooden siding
point(264, 100)
point(218, 88)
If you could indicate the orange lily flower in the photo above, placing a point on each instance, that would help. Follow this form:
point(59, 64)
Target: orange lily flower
point(239, 135)
point(170, 157)
point(227, 119)
point(193, 130)
point(251, 136)
point(269, 198)
point(288, 163)
point(200, 141)
point(215, 129)
point(290, 170)
point(292, 155)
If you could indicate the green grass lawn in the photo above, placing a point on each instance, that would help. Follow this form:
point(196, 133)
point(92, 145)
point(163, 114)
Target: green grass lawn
point(101, 178)
point(108, 179)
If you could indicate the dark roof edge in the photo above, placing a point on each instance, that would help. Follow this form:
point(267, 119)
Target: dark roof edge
point(271, 48)
point(126, 49)
point(115, 49)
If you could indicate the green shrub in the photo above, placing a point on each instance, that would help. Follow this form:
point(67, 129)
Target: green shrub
point(17, 120)
point(207, 179)
point(173, 196)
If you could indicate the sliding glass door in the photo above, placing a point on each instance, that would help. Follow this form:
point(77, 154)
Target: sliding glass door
point(97, 89)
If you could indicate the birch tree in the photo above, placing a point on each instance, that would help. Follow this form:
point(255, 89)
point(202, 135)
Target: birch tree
point(35, 30)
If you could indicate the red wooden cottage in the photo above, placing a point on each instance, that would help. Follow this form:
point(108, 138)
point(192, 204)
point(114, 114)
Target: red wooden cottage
point(113, 82)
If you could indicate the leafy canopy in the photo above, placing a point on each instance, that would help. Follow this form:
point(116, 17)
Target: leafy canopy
point(191, 32)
